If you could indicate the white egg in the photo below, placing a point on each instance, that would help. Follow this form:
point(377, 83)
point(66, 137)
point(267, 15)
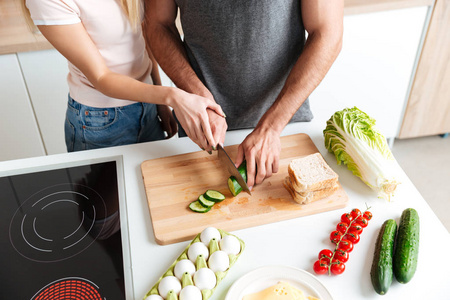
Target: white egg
point(168, 284)
point(205, 279)
point(219, 261)
point(230, 244)
point(190, 292)
point(154, 297)
point(196, 249)
point(208, 234)
point(183, 266)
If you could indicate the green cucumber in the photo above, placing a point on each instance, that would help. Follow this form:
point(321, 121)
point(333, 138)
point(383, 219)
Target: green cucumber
point(198, 207)
point(205, 202)
point(213, 195)
point(381, 273)
point(233, 185)
point(407, 246)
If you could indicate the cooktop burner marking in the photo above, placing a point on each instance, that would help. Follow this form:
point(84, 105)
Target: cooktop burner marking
point(63, 200)
point(72, 192)
point(79, 226)
point(35, 231)
point(51, 228)
point(25, 239)
point(92, 225)
point(69, 288)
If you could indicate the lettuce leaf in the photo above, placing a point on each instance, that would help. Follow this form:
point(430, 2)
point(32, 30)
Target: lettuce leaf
point(355, 141)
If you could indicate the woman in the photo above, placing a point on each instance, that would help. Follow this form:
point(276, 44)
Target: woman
point(114, 92)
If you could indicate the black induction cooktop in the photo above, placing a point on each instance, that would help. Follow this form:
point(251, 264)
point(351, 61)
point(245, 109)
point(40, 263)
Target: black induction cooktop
point(61, 235)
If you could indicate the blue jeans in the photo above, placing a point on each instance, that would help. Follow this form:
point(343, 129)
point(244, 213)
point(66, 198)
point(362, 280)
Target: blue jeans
point(92, 127)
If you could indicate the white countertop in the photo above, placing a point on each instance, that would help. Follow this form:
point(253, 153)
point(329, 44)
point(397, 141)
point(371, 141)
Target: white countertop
point(294, 242)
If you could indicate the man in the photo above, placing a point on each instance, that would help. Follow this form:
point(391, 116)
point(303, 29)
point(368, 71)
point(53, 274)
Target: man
point(253, 59)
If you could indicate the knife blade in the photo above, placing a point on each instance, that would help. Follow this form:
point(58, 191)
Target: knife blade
point(232, 170)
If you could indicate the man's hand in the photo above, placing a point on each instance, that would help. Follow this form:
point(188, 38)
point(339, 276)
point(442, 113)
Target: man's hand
point(168, 122)
point(261, 149)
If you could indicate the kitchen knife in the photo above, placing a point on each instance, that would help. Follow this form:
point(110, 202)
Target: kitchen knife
point(226, 160)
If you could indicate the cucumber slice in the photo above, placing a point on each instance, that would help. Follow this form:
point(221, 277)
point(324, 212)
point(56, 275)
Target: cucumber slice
point(234, 186)
point(198, 207)
point(205, 202)
point(213, 195)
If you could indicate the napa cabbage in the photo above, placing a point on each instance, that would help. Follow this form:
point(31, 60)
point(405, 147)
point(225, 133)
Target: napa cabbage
point(355, 141)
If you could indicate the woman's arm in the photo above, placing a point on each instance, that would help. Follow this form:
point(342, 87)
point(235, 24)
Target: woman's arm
point(191, 109)
point(86, 57)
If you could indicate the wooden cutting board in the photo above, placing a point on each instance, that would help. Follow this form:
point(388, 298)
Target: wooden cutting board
point(171, 183)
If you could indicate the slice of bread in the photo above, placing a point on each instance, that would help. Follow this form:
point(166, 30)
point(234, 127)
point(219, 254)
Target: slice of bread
point(311, 173)
point(308, 197)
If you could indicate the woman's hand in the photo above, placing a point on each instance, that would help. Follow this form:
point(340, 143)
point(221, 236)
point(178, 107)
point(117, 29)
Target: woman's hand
point(218, 125)
point(168, 122)
point(192, 113)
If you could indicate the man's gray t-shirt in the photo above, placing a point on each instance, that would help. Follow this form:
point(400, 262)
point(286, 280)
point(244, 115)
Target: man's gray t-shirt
point(243, 51)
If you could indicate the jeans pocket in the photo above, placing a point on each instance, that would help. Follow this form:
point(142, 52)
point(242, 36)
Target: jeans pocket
point(111, 126)
point(98, 118)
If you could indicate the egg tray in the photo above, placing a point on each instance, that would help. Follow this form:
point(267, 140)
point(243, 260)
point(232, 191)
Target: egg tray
point(206, 294)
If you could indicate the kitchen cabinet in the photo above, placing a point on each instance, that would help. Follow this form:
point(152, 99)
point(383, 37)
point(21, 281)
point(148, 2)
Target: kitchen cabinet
point(428, 109)
point(19, 131)
point(45, 73)
point(374, 68)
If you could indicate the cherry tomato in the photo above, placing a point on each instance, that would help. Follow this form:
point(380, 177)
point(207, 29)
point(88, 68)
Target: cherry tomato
point(342, 227)
point(352, 237)
point(355, 213)
point(356, 228)
point(368, 215)
point(320, 267)
point(337, 267)
point(346, 218)
point(341, 255)
point(335, 236)
point(326, 255)
point(346, 245)
point(362, 221)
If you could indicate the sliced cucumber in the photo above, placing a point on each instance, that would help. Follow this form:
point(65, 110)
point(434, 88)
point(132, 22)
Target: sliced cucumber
point(198, 207)
point(213, 195)
point(233, 185)
point(205, 202)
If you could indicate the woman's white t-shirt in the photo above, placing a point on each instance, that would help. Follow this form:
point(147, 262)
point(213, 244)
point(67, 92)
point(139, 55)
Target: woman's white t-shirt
point(123, 49)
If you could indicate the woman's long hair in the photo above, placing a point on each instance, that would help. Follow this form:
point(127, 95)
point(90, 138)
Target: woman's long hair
point(131, 8)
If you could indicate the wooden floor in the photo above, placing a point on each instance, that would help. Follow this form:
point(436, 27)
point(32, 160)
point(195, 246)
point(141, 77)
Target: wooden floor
point(426, 161)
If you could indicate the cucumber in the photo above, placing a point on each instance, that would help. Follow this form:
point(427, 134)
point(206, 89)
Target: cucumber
point(407, 246)
point(205, 202)
point(233, 185)
point(381, 273)
point(198, 207)
point(213, 195)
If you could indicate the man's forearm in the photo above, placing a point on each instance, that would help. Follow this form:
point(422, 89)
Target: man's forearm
point(168, 49)
point(319, 53)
